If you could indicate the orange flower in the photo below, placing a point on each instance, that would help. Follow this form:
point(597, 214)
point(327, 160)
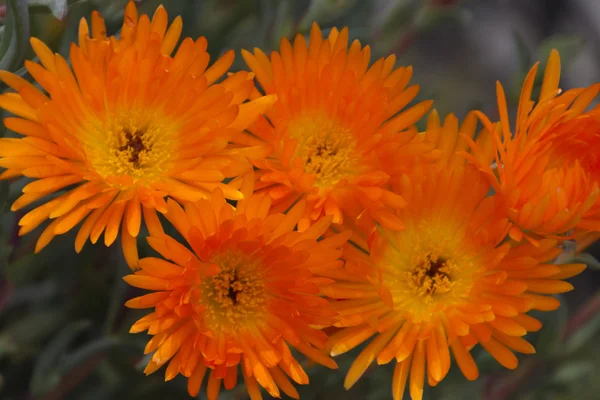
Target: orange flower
point(246, 293)
point(127, 126)
point(337, 132)
point(576, 142)
point(450, 141)
point(547, 173)
point(446, 282)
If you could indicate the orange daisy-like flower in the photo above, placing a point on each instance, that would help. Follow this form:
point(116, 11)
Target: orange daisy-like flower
point(247, 292)
point(336, 132)
point(547, 173)
point(577, 142)
point(445, 283)
point(127, 126)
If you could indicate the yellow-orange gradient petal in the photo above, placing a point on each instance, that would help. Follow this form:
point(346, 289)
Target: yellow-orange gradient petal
point(548, 172)
point(446, 282)
point(338, 130)
point(244, 295)
point(125, 126)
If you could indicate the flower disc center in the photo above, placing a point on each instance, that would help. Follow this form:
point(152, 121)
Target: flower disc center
point(137, 144)
point(237, 293)
point(426, 267)
point(326, 148)
point(431, 276)
point(133, 146)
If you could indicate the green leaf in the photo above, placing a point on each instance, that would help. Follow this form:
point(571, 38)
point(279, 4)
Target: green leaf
point(429, 17)
point(5, 250)
point(116, 298)
point(525, 63)
point(283, 23)
point(24, 270)
point(58, 8)
point(455, 387)
point(94, 348)
point(3, 194)
point(582, 336)
point(548, 340)
point(142, 362)
point(324, 11)
point(523, 54)
point(30, 295)
point(569, 247)
point(15, 40)
point(86, 357)
point(567, 45)
point(45, 376)
point(583, 258)
point(24, 335)
point(400, 15)
point(486, 363)
point(70, 34)
point(572, 371)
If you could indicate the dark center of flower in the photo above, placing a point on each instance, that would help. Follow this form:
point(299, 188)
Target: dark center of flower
point(235, 286)
point(327, 149)
point(135, 145)
point(436, 267)
point(431, 276)
point(229, 288)
point(237, 292)
point(314, 162)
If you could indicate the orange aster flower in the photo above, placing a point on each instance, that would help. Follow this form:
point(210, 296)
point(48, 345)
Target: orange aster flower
point(450, 141)
point(337, 131)
point(126, 126)
point(576, 142)
point(547, 172)
point(245, 295)
point(446, 282)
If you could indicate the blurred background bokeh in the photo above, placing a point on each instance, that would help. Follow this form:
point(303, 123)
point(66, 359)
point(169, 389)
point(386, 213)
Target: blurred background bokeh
point(63, 327)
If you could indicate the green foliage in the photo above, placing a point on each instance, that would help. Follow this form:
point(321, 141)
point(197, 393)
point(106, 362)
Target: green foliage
point(585, 333)
point(45, 375)
point(15, 35)
point(567, 46)
point(585, 258)
point(58, 8)
point(549, 339)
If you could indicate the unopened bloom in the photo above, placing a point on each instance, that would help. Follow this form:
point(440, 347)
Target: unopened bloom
point(546, 171)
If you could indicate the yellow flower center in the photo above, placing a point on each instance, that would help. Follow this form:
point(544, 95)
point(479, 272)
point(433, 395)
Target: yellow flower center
point(138, 144)
point(326, 148)
point(235, 296)
point(431, 276)
point(426, 268)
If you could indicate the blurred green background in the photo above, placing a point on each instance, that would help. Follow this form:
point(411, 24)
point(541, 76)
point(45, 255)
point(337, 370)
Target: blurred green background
point(63, 327)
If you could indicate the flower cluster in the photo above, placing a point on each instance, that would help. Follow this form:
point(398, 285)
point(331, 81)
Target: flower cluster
point(299, 195)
